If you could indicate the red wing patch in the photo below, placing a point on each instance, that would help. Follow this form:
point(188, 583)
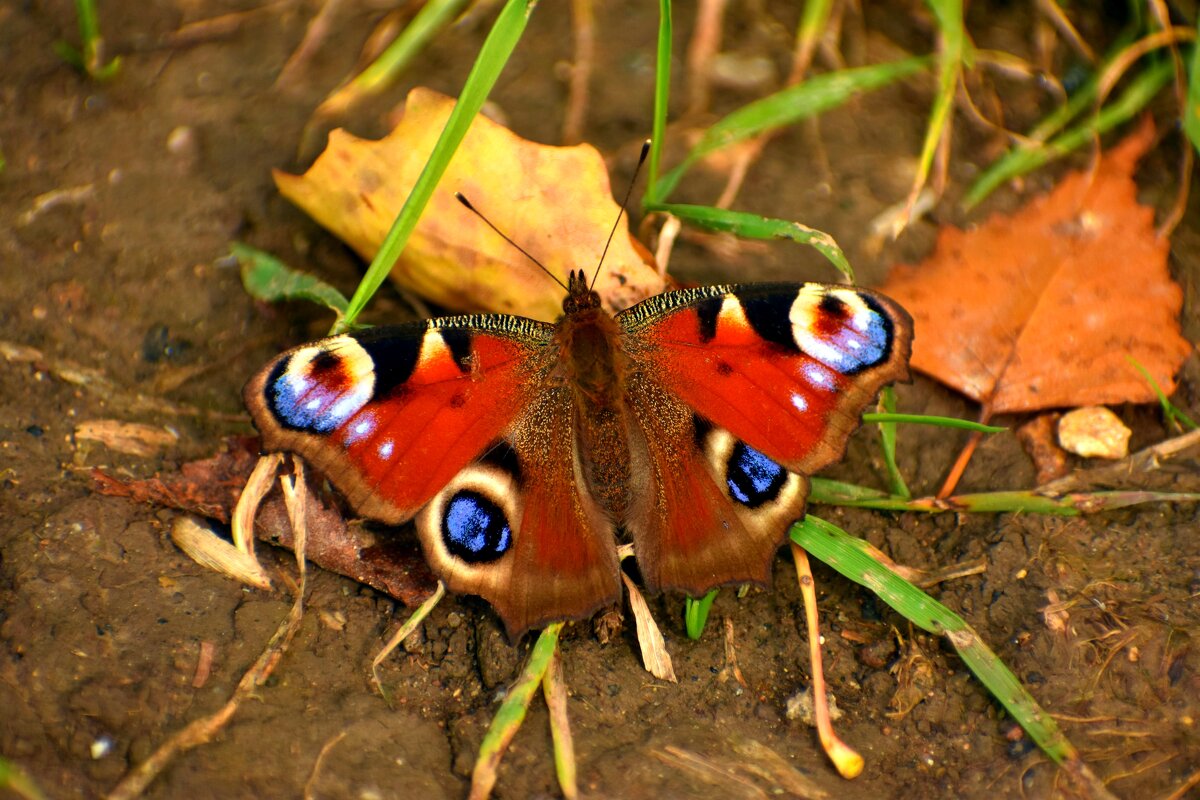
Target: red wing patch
point(786, 368)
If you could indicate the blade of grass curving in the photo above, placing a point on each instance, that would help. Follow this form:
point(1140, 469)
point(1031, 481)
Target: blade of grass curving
point(925, 419)
point(15, 780)
point(554, 689)
point(1137, 94)
point(951, 38)
point(787, 106)
point(695, 613)
point(1084, 96)
point(385, 70)
point(662, 94)
point(813, 19)
point(90, 58)
point(1170, 410)
point(849, 556)
point(402, 633)
point(267, 278)
point(887, 441)
point(752, 226)
point(1191, 112)
point(494, 54)
point(511, 713)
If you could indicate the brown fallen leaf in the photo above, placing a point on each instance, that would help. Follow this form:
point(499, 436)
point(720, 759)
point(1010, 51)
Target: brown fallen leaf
point(132, 438)
point(1042, 309)
point(1037, 438)
point(208, 487)
point(553, 201)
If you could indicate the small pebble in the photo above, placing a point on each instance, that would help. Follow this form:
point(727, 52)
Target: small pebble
point(1094, 432)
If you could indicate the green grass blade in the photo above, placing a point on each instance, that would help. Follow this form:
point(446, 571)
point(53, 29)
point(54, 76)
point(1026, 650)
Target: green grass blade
point(838, 493)
point(662, 95)
point(1191, 112)
point(849, 556)
point(512, 711)
point(1016, 501)
point(386, 69)
point(788, 106)
point(926, 419)
point(887, 440)
point(90, 56)
point(14, 779)
point(950, 59)
point(1023, 160)
point(1170, 410)
point(554, 689)
point(753, 226)
point(813, 19)
point(491, 60)
point(267, 278)
point(695, 613)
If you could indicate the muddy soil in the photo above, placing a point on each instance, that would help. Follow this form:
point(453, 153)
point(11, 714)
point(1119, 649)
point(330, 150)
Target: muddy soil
point(118, 202)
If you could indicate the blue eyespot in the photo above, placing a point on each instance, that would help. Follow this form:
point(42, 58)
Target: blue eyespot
point(753, 478)
point(849, 343)
point(475, 529)
point(315, 395)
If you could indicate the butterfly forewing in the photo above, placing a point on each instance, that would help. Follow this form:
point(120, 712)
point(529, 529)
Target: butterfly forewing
point(390, 415)
point(786, 368)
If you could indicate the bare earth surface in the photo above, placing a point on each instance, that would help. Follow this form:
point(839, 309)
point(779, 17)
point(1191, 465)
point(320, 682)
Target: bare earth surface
point(122, 277)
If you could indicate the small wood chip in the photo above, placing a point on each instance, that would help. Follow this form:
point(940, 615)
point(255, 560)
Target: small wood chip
point(132, 438)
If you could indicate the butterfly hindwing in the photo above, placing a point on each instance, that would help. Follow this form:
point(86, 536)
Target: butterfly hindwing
point(520, 528)
point(709, 510)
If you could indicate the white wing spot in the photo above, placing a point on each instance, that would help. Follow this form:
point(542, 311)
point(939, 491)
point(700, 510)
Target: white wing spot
point(800, 402)
point(817, 376)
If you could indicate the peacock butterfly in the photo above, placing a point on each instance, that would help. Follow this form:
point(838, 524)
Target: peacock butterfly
point(688, 423)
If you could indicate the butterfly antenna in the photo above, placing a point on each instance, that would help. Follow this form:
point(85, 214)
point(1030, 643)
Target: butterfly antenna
point(624, 204)
point(458, 196)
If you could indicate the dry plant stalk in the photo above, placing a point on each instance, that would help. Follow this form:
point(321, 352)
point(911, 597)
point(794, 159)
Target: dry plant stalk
point(848, 762)
point(135, 782)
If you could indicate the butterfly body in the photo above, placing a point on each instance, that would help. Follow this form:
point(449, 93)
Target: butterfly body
point(687, 424)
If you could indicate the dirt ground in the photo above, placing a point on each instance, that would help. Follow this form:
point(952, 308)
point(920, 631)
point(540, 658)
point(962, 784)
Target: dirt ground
point(122, 286)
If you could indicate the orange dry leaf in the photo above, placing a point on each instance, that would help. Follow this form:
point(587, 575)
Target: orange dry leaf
point(553, 201)
point(1044, 308)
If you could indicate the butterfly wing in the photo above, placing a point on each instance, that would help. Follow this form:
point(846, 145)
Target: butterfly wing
point(458, 422)
point(739, 393)
point(519, 527)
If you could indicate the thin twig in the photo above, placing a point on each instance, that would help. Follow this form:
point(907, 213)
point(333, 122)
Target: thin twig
point(583, 25)
point(314, 36)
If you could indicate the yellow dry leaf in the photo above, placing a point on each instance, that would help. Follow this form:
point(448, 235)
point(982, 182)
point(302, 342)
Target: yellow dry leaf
point(553, 201)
